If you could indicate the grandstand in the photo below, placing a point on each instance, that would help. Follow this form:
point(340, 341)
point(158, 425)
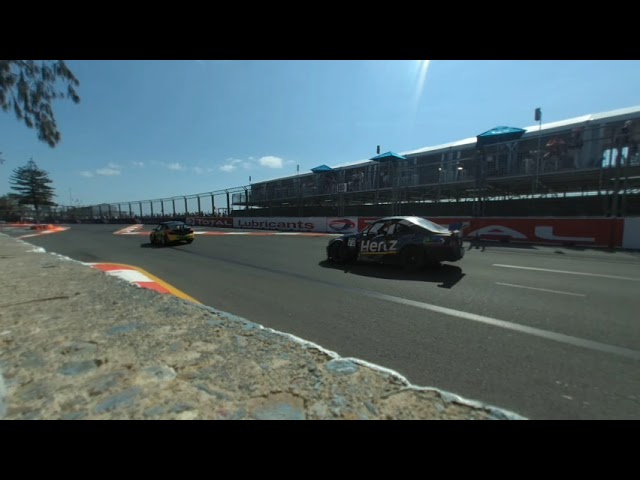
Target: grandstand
point(587, 166)
point(584, 166)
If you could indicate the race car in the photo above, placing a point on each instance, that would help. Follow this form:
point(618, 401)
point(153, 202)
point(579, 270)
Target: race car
point(412, 242)
point(168, 233)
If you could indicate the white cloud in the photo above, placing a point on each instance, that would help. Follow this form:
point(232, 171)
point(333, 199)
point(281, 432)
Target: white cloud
point(171, 166)
point(107, 172)
point(198, 170)
point(175, 166)
point(232, 164)
point(138, 164)
point(111, 170)
point(271, 162)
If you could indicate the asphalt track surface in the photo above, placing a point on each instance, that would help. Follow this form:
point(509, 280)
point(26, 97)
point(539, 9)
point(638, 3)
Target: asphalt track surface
point(547, 333)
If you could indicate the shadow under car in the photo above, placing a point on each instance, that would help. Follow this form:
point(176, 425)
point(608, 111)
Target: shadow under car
point(447, 276)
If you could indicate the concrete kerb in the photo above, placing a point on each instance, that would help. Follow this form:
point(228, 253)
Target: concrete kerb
point(345, 361)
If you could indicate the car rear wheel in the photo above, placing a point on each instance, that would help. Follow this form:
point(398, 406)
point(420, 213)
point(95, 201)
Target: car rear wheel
point(152, 239)
point(338, 252)
point(431, 263)
point(412, 259)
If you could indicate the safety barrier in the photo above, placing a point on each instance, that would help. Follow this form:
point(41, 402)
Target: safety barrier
point(587, 232)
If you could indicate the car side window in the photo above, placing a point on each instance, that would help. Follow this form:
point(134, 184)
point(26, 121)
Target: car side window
point(402, 229)
point(393, 229)
point(375, 228)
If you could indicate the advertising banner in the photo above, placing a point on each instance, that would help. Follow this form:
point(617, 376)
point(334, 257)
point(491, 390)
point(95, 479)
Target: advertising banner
point(600, 232)
point(631, 237)
point(293, 224)
point(342, 225)
point(224, 222)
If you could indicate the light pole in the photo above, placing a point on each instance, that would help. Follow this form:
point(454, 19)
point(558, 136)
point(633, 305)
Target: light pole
point(300, 192)
point(538, 117)
point(626, 130)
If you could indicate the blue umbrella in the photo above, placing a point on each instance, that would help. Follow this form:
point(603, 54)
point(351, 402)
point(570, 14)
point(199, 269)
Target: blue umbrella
point(322, 168)
point(499, 135)
point(387, 156)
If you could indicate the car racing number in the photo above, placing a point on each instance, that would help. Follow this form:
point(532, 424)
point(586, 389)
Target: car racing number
point(351, 242)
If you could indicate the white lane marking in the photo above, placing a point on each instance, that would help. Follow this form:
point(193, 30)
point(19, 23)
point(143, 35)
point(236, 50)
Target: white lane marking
point(616, 277)
point(44, 232)
point(32, 235)
point(128, 230)
point(558, 337)
point(238, 233)
point(129, 275)
point(542, 289)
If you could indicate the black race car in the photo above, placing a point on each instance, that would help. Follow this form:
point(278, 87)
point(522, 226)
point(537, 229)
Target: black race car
point(411, 241)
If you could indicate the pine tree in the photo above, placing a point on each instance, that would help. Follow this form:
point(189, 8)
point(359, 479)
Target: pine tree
point(32, 185)
point(9, 209)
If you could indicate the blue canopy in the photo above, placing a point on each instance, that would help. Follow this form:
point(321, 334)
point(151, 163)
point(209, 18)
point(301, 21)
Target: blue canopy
point(499, 135)
point(321, 168)
point(387, 156)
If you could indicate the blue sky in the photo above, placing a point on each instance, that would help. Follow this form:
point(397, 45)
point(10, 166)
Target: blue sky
point(152, 129)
